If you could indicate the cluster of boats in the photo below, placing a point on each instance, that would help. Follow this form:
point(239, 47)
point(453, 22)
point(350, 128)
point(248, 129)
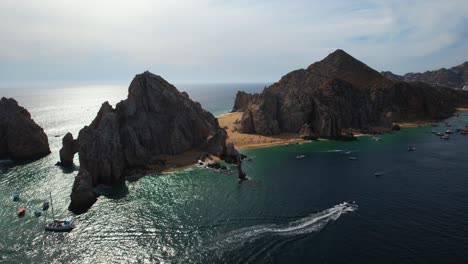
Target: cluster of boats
point(54, 225)
point(446, 135)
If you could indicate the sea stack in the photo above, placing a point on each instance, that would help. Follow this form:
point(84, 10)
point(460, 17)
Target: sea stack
point(339, 94)
point(155, 120)
point(21, 139)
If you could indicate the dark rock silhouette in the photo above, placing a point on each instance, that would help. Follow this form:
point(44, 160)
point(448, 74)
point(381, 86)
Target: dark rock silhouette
point(68, 150)
point(21, 139)
point(339, 93)
point(455, 77)
point(155, 119)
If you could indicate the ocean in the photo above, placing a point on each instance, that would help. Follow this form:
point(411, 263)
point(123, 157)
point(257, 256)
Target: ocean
point(324, 208)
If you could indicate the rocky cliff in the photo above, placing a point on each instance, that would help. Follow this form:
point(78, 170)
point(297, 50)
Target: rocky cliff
point(337, 94)
point(20, 137)
point(155, 120)
point(455, 77)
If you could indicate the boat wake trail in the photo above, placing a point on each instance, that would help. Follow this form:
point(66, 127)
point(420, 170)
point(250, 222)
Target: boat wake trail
point(307, 225)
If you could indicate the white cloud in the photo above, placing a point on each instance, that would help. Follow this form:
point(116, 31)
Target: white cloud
point(253, 41)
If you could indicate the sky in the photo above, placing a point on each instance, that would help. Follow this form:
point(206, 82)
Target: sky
point(107, 41)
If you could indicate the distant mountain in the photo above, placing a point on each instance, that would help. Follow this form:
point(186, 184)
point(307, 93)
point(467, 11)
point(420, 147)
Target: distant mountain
point(455, 77)
point(341, 93)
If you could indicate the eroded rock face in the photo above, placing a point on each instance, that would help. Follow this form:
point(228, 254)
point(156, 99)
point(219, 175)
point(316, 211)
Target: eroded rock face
point(306, 133)
point(155, 119)
point(20, 137)
point(339, 93)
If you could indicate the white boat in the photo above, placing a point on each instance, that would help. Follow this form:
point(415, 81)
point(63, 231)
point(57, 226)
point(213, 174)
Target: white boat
point(57, 225)
point(375, 138)
point(300, 156)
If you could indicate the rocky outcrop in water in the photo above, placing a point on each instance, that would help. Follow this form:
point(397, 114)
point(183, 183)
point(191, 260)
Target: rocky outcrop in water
point(21, 139)
point(68, 150)
point(455, 77)
point(341, 93)
point(155, 120)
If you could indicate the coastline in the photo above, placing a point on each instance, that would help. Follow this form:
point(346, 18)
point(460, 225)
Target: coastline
point(252, 141)
point(243, 141)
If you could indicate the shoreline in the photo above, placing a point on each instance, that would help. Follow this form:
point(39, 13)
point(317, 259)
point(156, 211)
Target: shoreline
point(243, 141)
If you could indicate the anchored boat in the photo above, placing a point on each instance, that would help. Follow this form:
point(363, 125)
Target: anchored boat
point(58, 225)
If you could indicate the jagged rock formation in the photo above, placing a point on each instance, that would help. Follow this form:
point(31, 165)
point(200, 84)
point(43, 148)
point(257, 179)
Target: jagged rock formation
point(339, 93)
point(20, 137)
point(68, 150)
point(156, 119)
point(455, 77)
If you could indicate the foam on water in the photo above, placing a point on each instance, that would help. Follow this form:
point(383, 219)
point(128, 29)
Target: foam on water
point(307, 225)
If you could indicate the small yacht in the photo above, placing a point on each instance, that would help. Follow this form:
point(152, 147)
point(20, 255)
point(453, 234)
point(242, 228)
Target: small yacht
point(439, 134)
point(57, 225)
point(60, 226)
point(300, 156)
point(445, 137)
point(448, 132)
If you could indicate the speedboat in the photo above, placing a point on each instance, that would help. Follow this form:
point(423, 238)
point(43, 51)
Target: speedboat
point(411, 148)
point(448, 132)
point(375, 138)
point(60, 226)
point(352, 158)
point(439, 134)
point(21, 211)
point(377, 174)
point(300, 156)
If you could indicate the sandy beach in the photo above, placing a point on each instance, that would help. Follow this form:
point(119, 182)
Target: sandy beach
point(250, 141)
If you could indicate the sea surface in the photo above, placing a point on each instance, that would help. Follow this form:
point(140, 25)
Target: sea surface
point(324, 208)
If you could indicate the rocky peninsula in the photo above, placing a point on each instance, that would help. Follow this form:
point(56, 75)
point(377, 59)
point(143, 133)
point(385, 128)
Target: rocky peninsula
point(155, 127)
point(341, 94)
point(21, 139)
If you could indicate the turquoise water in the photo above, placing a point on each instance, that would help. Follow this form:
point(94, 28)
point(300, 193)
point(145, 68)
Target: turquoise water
point(291, 211)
